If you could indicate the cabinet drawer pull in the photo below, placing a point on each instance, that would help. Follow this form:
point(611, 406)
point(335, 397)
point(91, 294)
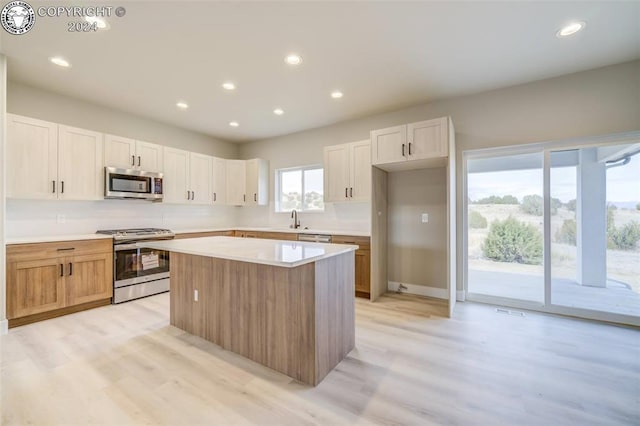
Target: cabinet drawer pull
point(403, 150)
point(61, 270)
point(70, 268)
point(66, 249)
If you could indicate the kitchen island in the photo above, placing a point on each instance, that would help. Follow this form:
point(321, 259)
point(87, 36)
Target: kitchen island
point(285, 304)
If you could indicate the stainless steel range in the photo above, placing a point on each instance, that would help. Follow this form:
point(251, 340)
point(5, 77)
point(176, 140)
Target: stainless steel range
point(138, 272)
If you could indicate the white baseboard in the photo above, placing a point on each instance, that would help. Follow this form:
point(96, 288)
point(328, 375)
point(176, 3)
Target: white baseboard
point(4, 327)
point(420, 290)
point(460, 296)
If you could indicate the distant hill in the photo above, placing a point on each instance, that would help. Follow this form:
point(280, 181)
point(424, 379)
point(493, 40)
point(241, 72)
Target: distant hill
point(631, 205)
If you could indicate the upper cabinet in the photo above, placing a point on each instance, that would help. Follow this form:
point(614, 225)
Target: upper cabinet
point(421, 144)
point(347, 172)
point(247, 182)
point(187, 177)
point(127, 153)
point(257, 182)
point(219, 180)
point(50, 161)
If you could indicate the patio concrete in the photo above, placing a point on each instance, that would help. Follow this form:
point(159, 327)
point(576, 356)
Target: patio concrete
point(616, 297)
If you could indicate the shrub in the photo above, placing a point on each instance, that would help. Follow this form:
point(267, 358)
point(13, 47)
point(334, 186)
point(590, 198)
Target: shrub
point(513, 241)
point(567, 233)
point(534, 204)
point(571, 205)
point(625, 238)
point(496, 199)
point(476, 220)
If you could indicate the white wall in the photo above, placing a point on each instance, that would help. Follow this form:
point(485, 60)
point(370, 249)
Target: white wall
point(3, 104)
point(30, 217)
point(595, 102)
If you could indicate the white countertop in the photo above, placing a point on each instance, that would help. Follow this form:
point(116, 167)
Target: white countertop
point(267, 252)
point(284, 230)
point(55, 238)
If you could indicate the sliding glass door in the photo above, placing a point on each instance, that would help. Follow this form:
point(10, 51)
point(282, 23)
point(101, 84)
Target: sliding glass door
point(556, 229)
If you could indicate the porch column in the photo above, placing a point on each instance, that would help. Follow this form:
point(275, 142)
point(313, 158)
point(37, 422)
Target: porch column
point(591, 219)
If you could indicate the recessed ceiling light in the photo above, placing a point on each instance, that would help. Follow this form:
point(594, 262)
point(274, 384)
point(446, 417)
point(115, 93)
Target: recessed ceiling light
point(570, 29)
point(278, 111)
point(234, 124)
point(60, 61)
point(336, 94)
point(182, 105)
point(293, 59)
point(100, 23)
point(228, 86)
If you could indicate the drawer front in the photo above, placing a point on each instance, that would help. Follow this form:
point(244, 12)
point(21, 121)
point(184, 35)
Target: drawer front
point(363, 242)
point(17, 252)
point(287, 236)
point(205, 234)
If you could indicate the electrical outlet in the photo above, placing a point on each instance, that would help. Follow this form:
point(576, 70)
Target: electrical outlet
point(425, 217)
point(62, 218)
point(195, 295)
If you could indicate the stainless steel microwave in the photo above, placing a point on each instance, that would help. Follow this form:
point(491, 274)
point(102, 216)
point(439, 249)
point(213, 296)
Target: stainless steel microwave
point(132, 184)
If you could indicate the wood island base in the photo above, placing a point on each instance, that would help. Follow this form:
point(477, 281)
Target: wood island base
point(297, 320)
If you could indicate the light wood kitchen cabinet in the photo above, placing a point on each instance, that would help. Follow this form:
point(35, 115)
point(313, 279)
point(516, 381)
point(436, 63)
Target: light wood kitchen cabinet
point(32, 158)
point(128, 153)
point(219, 181)
point(236, 182)
point(45, 280)
point(187, 177)
point(286, 236)
point(257, 182)
point(347, 172)
point(362, 261)
point(180, 236)
point(50, 161)
point(247, 234)
point(80, 173)
point(426, 142)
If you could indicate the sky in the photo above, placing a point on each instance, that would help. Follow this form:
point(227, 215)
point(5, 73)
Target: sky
point(623, 183)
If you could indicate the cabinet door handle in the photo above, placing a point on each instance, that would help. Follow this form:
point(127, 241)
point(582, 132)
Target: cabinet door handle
point(70, 268)
point(193, 195)
point(351, 192)
point(139, 160)
point(54, 186)
point(61, 270)
point(409, 148)
point(403, 150)
point(346, 193)
point(244, 197)
point(214, 197)
point(255, 197)
point(62, 187)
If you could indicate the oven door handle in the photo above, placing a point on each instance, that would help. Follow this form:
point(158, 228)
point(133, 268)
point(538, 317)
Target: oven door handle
point(121, 247)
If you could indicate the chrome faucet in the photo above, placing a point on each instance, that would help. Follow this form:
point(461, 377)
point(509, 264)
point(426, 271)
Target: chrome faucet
point(296, 222)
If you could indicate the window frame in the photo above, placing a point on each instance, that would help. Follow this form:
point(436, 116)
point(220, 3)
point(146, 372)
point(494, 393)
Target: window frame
point(278, 188)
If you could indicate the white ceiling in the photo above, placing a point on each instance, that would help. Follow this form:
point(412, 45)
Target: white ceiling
point(382, 55)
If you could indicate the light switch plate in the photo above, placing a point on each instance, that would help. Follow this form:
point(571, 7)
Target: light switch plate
point(425, 217)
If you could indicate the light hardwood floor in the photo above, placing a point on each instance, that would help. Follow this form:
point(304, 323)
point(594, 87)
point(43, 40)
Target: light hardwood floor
point(124, 364)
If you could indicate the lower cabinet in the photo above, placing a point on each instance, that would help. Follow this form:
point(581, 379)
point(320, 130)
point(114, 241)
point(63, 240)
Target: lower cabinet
point(363, 262)
point(46, 280)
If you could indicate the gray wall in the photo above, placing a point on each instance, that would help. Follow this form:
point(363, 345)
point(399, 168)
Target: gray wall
point(595, 102)
point(37, 103)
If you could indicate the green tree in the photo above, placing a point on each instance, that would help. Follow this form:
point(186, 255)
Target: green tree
point(571, 205)
point(476, 220)
point(513, 241)
point(567, 232)
point(496, 199)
